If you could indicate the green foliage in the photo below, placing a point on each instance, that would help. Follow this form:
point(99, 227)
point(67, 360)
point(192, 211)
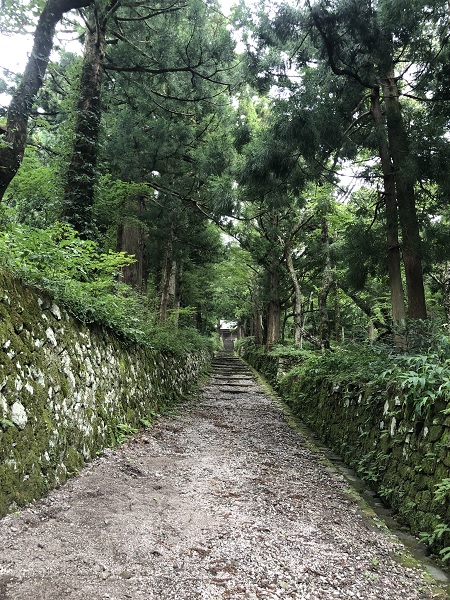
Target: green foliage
point(288, 350)
point(445, 552)
point(19, 16)
point(420, 379)
point(442, 492)
point(5, 423)
point(57, 253)
point(76, 273)
point(371, 466)
point(147, 423)
point(87, 282)
point(167, 338)
point(32, 196)
point(247, 344)
point(124, 432)
point(112, 195)
point(439, 531)
point(351, 363)
point(234, 281)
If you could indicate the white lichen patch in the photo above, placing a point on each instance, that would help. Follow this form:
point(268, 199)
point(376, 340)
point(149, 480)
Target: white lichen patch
point(54, 309)
point(3, 405)
point(51, 336)
point(19, 415)
point(393, 426)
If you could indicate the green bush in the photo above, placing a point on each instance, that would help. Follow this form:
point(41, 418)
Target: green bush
point(86, 281)
point(421, 379)
point(166, 338)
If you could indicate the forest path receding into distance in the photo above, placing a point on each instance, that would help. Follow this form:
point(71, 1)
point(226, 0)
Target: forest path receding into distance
point(224, 500)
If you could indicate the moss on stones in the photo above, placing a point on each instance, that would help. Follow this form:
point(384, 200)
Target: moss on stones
point(76, 385)
point(401, 457)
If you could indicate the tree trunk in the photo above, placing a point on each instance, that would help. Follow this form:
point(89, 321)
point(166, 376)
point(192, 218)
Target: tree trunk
point(82, 170)
point(175, 294)
point(257, 317)
point(327, 282)
point(131, 238)
point(311, 313)
point(338, 328)
point(167, 279)
point(273, 308)
point(404, 183)
point(13, 148)
point(298, 301)
point(393, 246)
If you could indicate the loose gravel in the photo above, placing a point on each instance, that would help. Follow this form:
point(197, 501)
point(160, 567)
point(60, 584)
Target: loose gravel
point(224, 500)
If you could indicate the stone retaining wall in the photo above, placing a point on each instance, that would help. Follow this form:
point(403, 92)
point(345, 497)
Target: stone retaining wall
point(67, 391)
point(402, 456)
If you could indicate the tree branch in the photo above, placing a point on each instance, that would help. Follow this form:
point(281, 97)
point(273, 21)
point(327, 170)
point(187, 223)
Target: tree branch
point(330, 52)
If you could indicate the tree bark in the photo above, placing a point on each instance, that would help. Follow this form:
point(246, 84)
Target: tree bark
point(131, 238)
point(273, 307)
point(167, 279)
point(404, 183)
point(298, 300)
point(82, 170)
point(257, 317)
point(13, 148)
point(175, 293)
point(338, 328)
point(327, 282)
point(391, 212)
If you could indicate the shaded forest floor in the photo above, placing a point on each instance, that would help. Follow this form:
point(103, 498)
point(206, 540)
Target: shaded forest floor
point(223, 500)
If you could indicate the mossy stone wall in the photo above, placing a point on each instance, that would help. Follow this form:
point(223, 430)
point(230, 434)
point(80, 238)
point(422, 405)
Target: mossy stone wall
point(402, 456)
point(67, 391)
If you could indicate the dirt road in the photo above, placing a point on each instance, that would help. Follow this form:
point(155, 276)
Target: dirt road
point(224, 500)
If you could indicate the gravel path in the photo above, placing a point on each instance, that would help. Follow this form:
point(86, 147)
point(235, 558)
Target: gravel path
point(222, 501)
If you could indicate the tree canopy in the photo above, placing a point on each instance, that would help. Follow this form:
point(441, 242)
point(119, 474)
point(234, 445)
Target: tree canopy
point(295, 183)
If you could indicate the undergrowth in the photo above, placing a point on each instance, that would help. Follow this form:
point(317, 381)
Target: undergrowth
point(420, 379)
point(86, 281)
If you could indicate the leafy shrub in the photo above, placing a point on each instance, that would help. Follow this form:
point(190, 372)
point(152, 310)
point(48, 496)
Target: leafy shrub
point(87, 283)
point(421, 379)
point(289, 351)
point(75, 273)
point(32, 196)
point(355, 363)
point(179, 341)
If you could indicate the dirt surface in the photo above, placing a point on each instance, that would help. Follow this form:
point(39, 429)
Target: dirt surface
point(224, 500)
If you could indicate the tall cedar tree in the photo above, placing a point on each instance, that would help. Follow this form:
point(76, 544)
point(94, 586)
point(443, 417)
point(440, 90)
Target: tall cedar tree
point(12, 146)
